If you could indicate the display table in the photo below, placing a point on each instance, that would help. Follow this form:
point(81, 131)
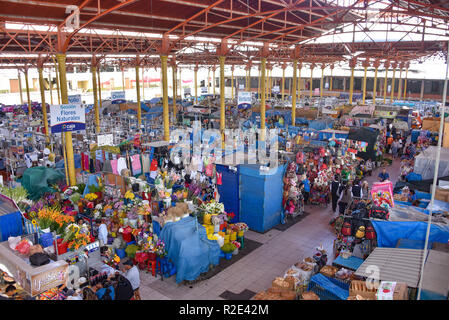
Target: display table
point(34, 280)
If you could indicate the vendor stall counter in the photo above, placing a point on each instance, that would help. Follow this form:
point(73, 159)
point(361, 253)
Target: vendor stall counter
point(34, 280)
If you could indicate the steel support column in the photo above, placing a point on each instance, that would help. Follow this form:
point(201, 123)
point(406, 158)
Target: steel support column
point(283, 82)
point(50, 85)
point(311, 82)
point(352, 64)
point(20, 86)
point(139, 109)
point(67, 135)
point(100, 101)
point(195, 73)
point(93, 70)
point(262, 89)
point(405, 81)
point(175, 90)
point(27, 87)
point(44, 105)
point(294, 86)
point(386, 64)
point(392, 83)
point(165, 98)
point(376, 65)
point(222, 95)
point(400, 81)
point(365, 65)
point(321, 81)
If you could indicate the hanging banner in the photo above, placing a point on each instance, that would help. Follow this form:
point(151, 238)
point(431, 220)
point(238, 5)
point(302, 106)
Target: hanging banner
point(241, 86)
point(118, 97)
point(187, 91)
point(244, 99)
point(382, 193)
point(74, 99)
point(105, 140)
point(203, 90)
point(67, 117)
point(275, 89)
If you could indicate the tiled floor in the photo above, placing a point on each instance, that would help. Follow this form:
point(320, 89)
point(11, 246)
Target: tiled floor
point(256, 271)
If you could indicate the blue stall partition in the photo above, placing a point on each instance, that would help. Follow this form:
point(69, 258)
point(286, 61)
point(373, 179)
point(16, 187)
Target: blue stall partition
point(229, 189)
point(261, 196)
point(10, 219)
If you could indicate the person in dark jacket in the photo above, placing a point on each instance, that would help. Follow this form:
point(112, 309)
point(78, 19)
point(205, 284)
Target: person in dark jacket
point(356, 190)
point(335, 186)
point(344, 200)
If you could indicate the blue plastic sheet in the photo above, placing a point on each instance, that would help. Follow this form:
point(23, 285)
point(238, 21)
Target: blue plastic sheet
point(389, 232)
point(189, 248)
point(321, 124)
point(92, 181)
point(412, 176)
point(10, 225)
point(326, 283)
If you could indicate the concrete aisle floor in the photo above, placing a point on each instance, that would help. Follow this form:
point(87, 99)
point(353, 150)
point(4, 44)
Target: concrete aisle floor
point(257, 270)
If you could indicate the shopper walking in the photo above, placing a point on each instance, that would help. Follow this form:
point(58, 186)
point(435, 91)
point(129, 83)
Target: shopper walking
point(394, 149)
point(344, 200)
point(356, 190)
point(335, 186)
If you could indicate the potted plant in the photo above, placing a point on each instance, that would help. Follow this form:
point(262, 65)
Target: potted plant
point(228, 249)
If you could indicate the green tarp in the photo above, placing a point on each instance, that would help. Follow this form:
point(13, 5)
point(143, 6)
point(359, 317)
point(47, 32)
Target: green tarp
point(38, 180)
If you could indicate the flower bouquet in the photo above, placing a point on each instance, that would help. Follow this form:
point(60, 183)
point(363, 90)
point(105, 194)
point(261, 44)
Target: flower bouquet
point(237, 247)
point(70, 232)
point(79, 241)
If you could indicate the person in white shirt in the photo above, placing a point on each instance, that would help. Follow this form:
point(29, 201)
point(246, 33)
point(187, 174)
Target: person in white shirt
point(131, 272)
point(103, 234)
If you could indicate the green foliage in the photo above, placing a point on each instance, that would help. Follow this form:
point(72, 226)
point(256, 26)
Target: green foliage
point(17, 194)
point(228, 247)
point(131, 250)
point(81, 187)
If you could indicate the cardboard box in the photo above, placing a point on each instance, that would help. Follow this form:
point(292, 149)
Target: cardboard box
point(400, 291)
point(442, 194)
point(358, 287)
point(431, 124)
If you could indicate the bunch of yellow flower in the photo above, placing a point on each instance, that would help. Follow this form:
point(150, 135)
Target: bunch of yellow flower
point(129, 195)
point(53, 218)
point(80, 240)
point(144, 210)
point(91, 197)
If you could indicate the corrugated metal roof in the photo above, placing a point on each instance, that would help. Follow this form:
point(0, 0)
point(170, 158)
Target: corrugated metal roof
point(400, 265)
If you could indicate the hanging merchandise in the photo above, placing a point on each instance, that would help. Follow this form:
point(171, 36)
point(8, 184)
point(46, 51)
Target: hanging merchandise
point(382, 193)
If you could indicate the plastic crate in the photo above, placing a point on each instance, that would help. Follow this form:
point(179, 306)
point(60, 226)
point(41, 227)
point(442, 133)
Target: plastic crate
point(329, 292)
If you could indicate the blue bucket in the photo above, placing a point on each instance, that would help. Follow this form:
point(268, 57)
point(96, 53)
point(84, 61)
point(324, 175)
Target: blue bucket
point(228, 256)
point(121, 253)
point(46, 240)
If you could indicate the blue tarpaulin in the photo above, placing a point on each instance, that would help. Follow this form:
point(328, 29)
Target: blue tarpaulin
point(328, 284)
point(321, 124)
point(389, 232)
point(10, 225)
point(189, 248)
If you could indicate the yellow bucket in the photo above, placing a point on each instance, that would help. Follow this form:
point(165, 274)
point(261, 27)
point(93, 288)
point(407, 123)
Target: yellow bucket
point(207, 219)
point(233, 236)
point(240, 234)
point(226, 238)
point(211, 229)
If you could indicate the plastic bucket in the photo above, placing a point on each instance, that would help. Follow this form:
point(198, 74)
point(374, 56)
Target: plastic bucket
point(121, 253)
point(62, 246)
